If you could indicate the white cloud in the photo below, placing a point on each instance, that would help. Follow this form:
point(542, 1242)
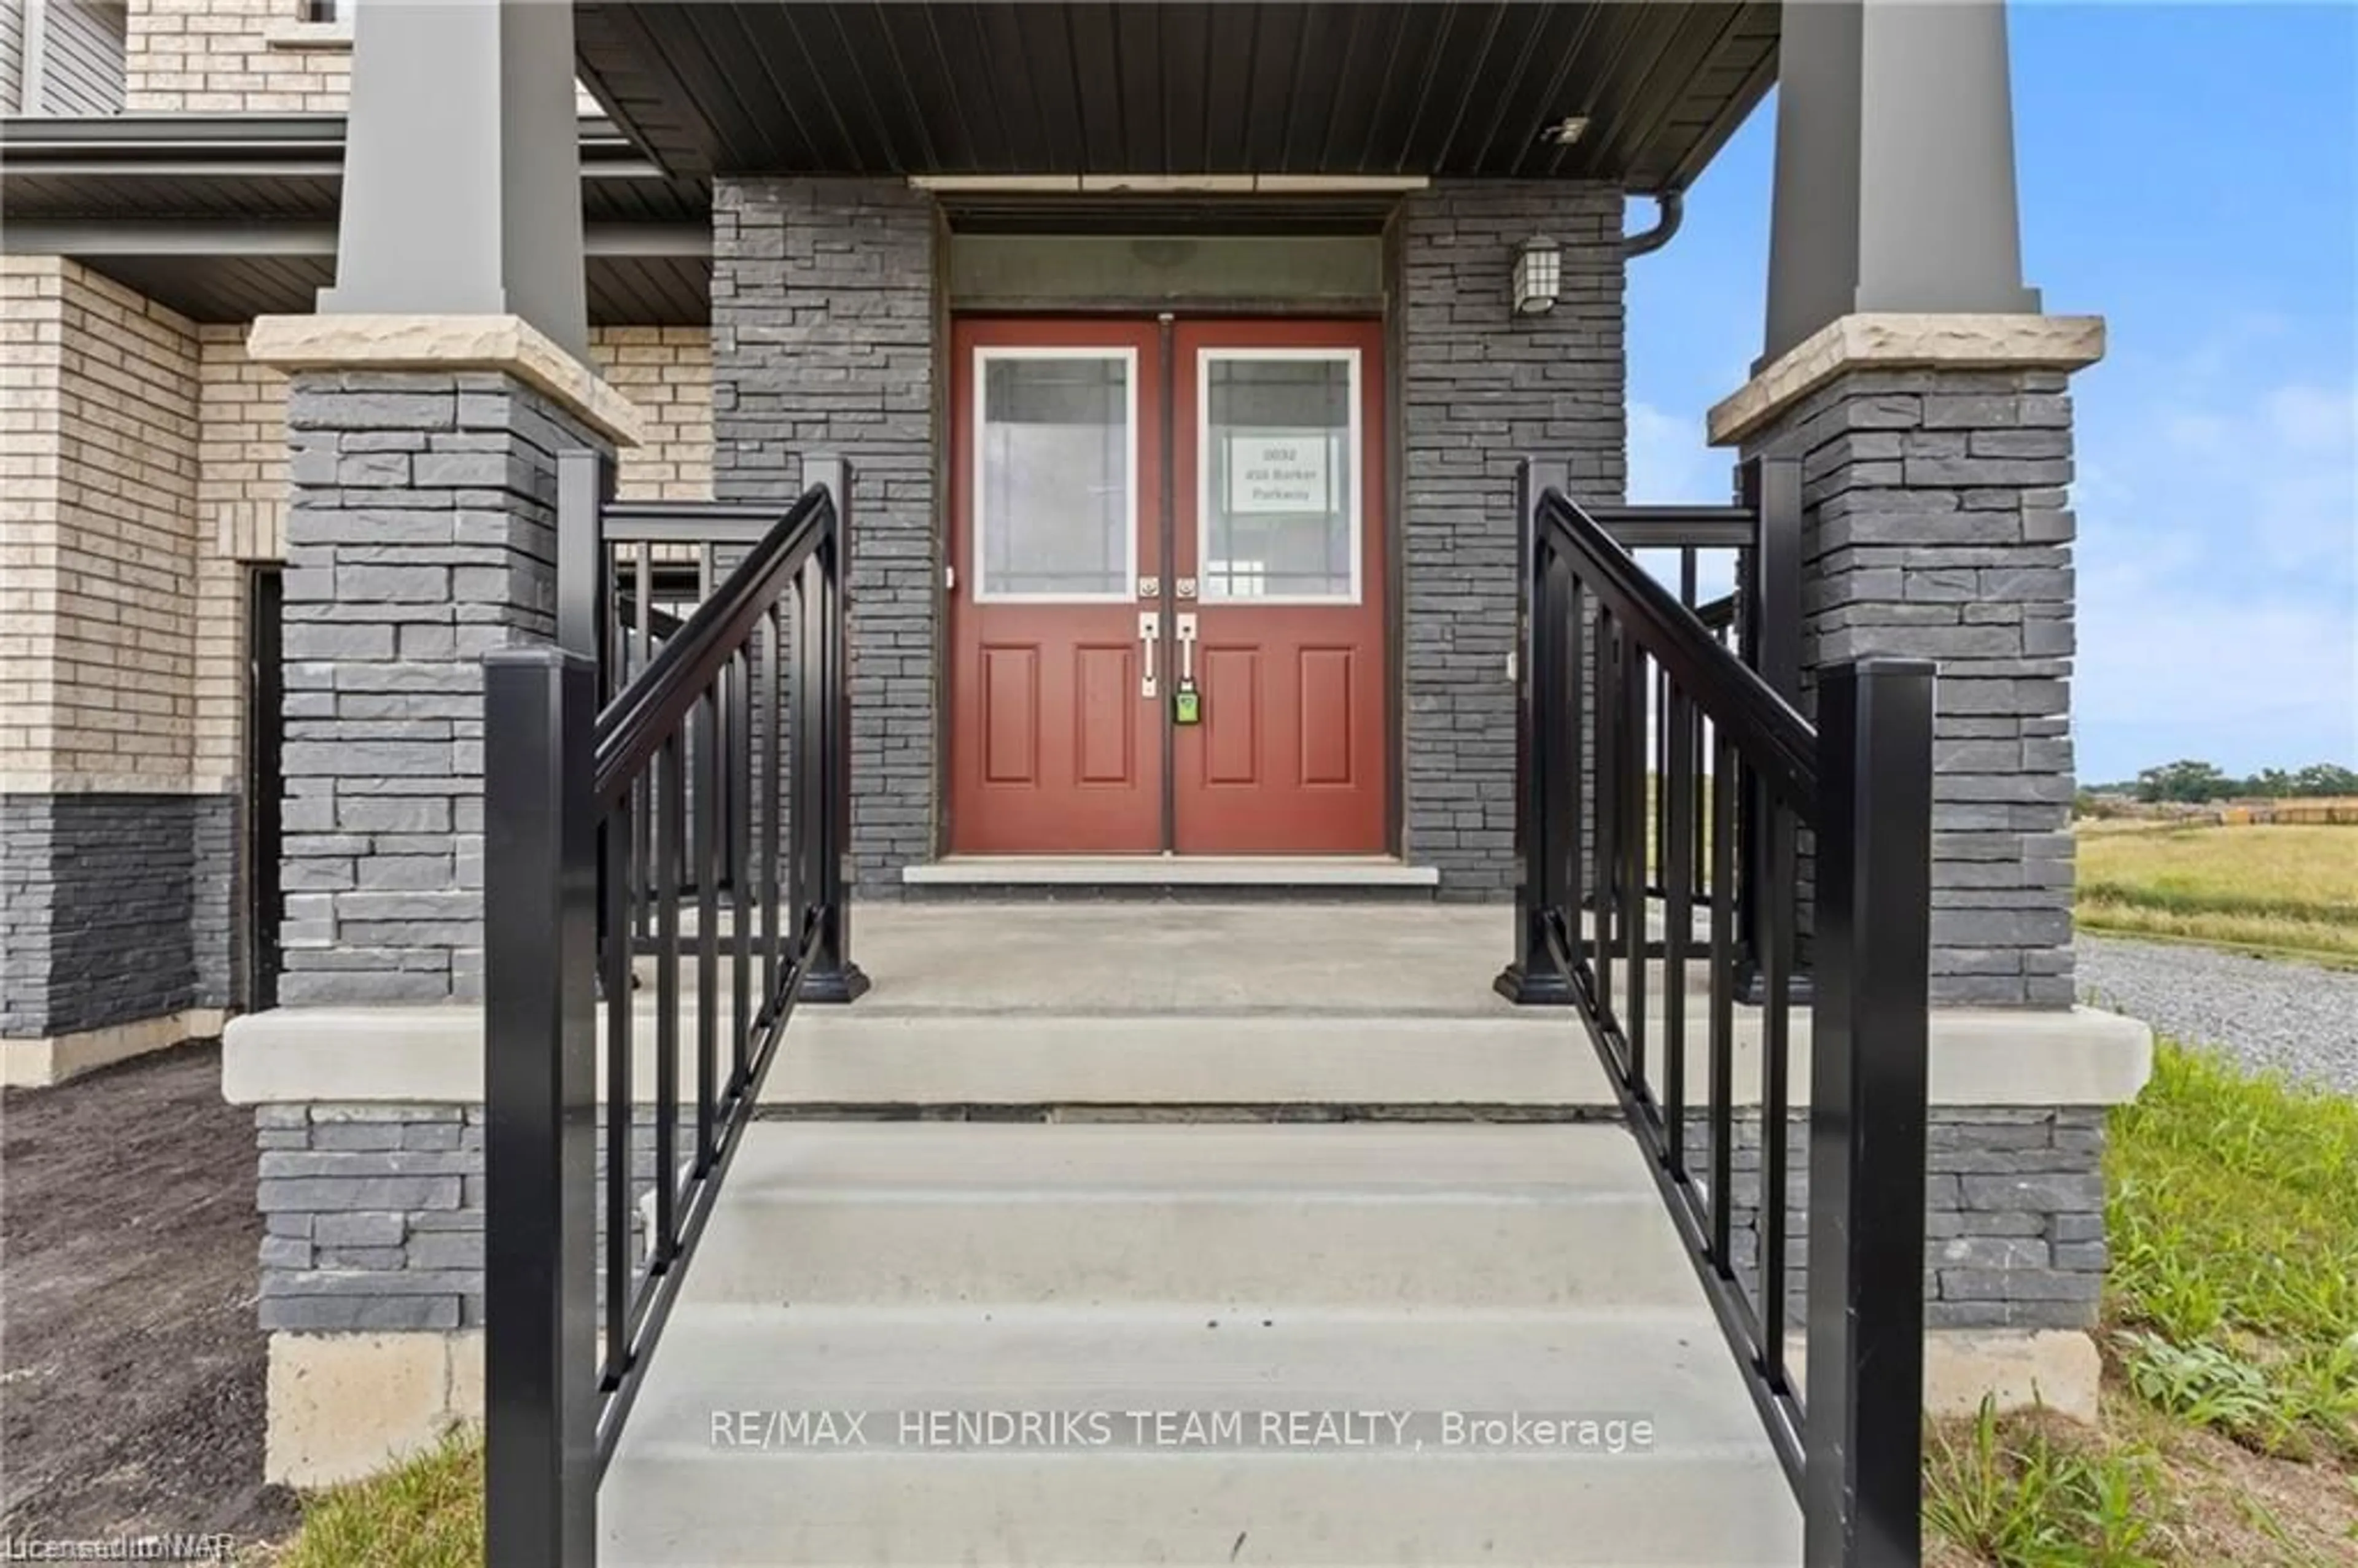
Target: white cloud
point(2218, 571)
point(2164, 673)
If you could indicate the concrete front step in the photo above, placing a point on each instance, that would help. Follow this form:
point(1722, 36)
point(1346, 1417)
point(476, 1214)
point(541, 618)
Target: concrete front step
point(1475, 1058)
point(1667, 1365)
point(1265, 1274)
point(1110, 1510)
point(1231, 1217)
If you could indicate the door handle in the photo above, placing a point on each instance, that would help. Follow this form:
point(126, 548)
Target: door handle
point(1185, 622)
point(1149, 632)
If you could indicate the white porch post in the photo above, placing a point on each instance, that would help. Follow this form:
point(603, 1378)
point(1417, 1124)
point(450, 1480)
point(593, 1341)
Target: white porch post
point(462, 168)
point(1895, 186)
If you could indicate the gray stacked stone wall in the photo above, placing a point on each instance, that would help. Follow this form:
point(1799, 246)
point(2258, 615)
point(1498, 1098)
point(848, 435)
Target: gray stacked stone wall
point(99, 901)
point(373, 1217)
point(824, 327)
point(1481, 387)
point(2014, 1214)
point(420, 536)
point(1938, 528)
point(216, 927)
point(372, 1214)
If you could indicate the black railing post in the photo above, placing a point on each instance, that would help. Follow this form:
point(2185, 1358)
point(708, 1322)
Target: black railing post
point(585, 483)
point(1531, 978)
point(1867, 1085)
point(833, 977)
point(1771, 643)
point(540, 882)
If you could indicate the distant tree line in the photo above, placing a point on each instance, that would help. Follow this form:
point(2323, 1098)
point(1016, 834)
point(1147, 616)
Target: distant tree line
point(2195, 781)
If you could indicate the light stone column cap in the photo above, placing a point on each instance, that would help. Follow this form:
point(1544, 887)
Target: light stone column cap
point(506, 343)
point(1893, 341)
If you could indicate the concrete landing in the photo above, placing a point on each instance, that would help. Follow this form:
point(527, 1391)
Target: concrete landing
point(1245, 1009)
point(1306, 874)
point(1319, 959)
point(1169, 1004)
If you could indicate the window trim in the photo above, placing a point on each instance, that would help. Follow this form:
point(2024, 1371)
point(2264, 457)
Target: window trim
point(984, 353)
point(1355, 460)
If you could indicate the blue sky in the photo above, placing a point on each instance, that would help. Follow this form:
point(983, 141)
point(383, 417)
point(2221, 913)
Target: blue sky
point(2190, 173)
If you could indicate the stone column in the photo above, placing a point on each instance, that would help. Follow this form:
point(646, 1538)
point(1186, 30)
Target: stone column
point(1936, 452)
point(420, 535)
point(824, 333)
point(1480, 388)
point(428, 404)
point(1907, 366)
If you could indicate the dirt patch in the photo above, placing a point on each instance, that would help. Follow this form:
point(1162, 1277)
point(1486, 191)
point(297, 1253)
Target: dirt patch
point(2236, 1505)
point(131, 1367)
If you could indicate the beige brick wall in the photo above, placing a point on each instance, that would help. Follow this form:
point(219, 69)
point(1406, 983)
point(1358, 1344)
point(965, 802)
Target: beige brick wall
point(241, 510)
point(667, 373)
point(251, 57)
point(242, 487)
point(201, 56)
point(98, 533)
point(143, 466)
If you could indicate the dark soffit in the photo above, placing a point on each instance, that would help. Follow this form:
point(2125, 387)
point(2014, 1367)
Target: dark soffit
point(630, 291)
point(267, 184)
point(1006, 87)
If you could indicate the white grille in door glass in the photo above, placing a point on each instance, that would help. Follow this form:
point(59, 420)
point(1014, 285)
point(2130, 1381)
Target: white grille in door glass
point(1055, 497)
point(1279, 498)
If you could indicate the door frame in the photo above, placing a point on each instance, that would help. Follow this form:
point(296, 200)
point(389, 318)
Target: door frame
point(1388, 451)
point(1361, 343)
point(970, 339)
point(257, 982)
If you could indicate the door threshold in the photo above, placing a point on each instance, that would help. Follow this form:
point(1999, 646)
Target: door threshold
point(1171, 870)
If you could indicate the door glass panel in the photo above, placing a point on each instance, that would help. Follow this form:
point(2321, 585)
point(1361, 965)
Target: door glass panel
point(1054, 498)
point(1280, 503)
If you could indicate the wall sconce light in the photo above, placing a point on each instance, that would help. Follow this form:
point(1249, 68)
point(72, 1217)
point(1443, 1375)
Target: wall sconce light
point(1539, 276)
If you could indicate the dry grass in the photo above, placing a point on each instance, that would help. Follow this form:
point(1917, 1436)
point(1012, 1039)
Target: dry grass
point(2274, 888)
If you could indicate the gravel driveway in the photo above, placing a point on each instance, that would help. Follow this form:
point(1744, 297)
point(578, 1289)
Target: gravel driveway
point(2300, 1019)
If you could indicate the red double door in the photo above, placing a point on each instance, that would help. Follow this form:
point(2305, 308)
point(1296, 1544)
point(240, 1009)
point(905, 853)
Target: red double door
point(1167, 595)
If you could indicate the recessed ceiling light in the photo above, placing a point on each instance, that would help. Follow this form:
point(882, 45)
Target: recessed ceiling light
point(1566, 131)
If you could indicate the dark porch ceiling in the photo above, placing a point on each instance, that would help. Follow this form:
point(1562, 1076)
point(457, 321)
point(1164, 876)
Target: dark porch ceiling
point(223, 218)
point(1145, 87)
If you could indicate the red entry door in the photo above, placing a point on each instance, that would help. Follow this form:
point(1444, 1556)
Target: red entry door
point(1079, 621)
point(1278, 542)
point(1057, 738)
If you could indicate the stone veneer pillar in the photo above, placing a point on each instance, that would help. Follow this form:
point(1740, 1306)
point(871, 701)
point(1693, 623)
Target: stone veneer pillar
point(1936, 452)
point(824, 339)
point(1936, 455)
point(1479, 389)
point(420, 535)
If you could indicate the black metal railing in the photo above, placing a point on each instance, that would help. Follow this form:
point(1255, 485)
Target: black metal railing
point(1757, 541)
point(1622, 684)
point(633, 773)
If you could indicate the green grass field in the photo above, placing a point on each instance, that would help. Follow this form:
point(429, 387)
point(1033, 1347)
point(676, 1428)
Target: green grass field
point(2230, 1431)
point(2280, 890)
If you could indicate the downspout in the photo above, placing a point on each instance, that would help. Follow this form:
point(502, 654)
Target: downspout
point(1672, 207)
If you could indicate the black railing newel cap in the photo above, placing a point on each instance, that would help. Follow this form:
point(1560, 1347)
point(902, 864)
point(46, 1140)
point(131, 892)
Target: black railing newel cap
point(534, 656)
